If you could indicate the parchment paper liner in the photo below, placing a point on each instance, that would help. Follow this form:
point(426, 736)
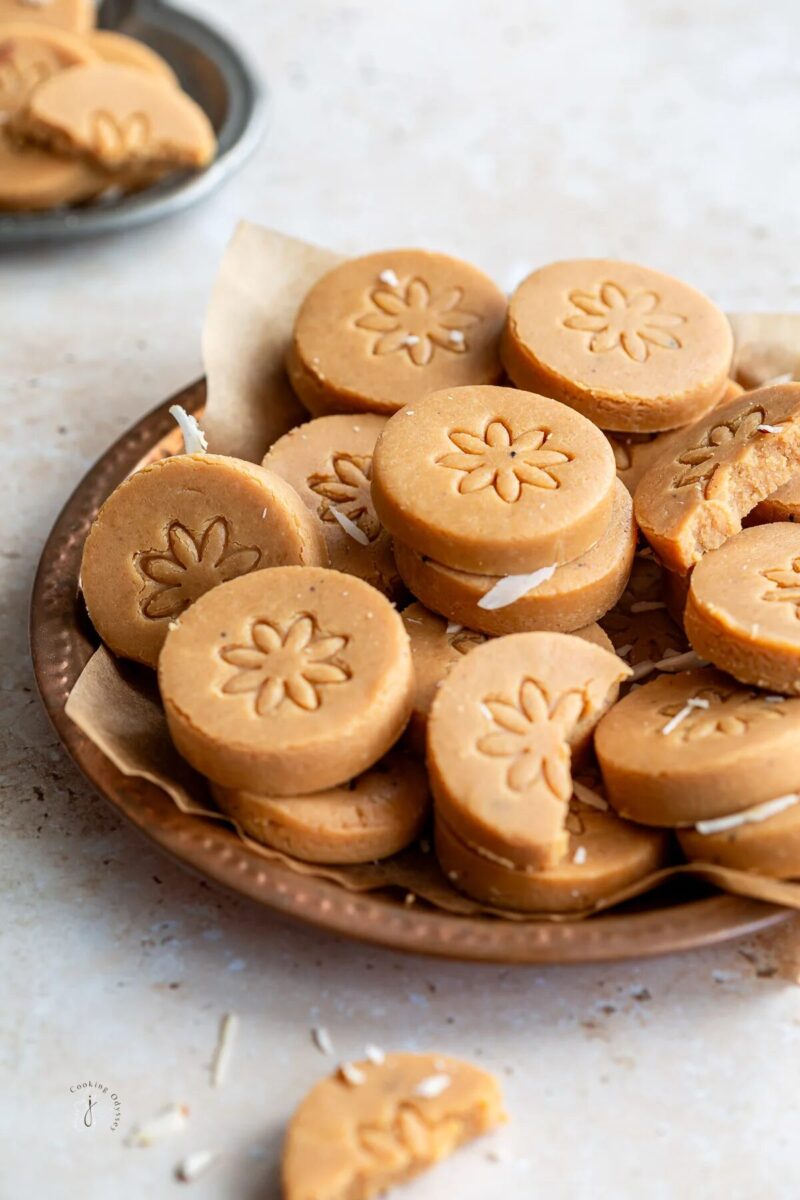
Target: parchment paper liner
point(263, 277)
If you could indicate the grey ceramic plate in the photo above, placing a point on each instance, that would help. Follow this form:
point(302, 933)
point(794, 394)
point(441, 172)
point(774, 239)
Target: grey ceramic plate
point(215, 74)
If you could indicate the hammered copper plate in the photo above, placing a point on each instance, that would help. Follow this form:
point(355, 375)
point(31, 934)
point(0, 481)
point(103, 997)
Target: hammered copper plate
point(62, 642)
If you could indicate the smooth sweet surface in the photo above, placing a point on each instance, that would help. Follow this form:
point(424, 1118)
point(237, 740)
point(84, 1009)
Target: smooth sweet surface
point(380, 331)
point(630, 348)
point(697, 745)
point(352, 1140)
point(499, 739)
point(743, 608)
point(493, 480)
point(178, 528)
point(287, 682)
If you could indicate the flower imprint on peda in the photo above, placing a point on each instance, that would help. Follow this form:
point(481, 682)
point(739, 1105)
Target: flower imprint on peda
point(190, 565)
point(727, 713)
point(294, 666)
point(787, 585)
point(347, 488)
point(701, 462)
point(629, 321)
point(504, 463)
point(410, 319)
point(115, 137)
point(530, 734)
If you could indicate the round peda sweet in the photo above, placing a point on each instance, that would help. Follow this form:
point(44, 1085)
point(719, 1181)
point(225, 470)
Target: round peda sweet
point(630, 348)
point(287, 683)
point(693, 498)
point(174, 530)
point(328, 461)
point(436, 646)
point(32, 179)
point(604, 854)
point(743, 608)
point(766, 844)
point(493, 481)
point(696, 745)
point(371, 817)
point(116, 47)
point(577, 594)
point(500, 736)
point(76, 16)
point(31, 53)
point(374, 1124)
point(119, 116)
point(378, 332)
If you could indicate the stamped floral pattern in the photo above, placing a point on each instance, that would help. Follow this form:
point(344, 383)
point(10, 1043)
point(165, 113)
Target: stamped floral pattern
point(291, 666)
point(631, 321)
point(504, 463)
point(409, 318)
point(408, 1139)
point(787, 585)
point(702, 462)
point(190, 565)
point(530, 733)
point(347, 488)
point(118, 137)
point(720, 713)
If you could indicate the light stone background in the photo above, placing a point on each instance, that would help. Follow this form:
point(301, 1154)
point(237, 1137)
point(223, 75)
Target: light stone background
point(511, 133)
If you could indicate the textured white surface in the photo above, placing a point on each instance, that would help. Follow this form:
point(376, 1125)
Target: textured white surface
point(512, 133)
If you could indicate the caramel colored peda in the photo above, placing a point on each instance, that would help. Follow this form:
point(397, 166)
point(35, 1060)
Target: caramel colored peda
point(499, 739)
point(373, 817)
point(32, 179)
point(604, 854)
point(436, 646)
point(287, 682)
point(743, 609)
point(577, 594)
point(378, 332)
point(697, 745)
point(769, 845)
point(493, 480)
point(119, 116)
point(115, 47)
point(77, 16)
point(31, 53)
point(632, 349)
point(693, 498)
point(353, 1139)
point(329, 463)
point(178, 528)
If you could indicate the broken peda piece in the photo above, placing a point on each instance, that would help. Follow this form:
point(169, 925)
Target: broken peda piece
point(375, 1125)
point(119, 116)
point(501, 736)
point(743, 608)
point(694, 498)
point(697, 745)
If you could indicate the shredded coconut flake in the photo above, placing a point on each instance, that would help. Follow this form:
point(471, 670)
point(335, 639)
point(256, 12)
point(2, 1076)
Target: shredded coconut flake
point(389, 277)
point(453, 627)
point(194, 440)
point(776, 380)
point(263, 514)
point(579, 857)
point(645, 667)
point(170, 1120)
point(749, 816)
point(352, 1074)
point(350, 528)
point(456, 337)
point(770, 428)
point(486, 712)
point(411, 339)
point(642, 606)
point(228, 1030)
point(774, 699)
point(513, 587)
point(374, 1054)
point(683, 713)
point(195, 1165)
point(587, 796)
point(681, 662)
point(623, 650)
point(433, 1086)
point(409, 899)
point(322, 1039)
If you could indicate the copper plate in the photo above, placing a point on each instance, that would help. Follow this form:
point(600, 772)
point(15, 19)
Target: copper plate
point(62, 642)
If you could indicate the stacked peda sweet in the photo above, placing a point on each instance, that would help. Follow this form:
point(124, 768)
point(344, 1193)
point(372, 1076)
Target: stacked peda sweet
point(501, 522)
point(87, 113)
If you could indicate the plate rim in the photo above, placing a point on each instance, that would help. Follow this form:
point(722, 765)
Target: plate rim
point(60, 648)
